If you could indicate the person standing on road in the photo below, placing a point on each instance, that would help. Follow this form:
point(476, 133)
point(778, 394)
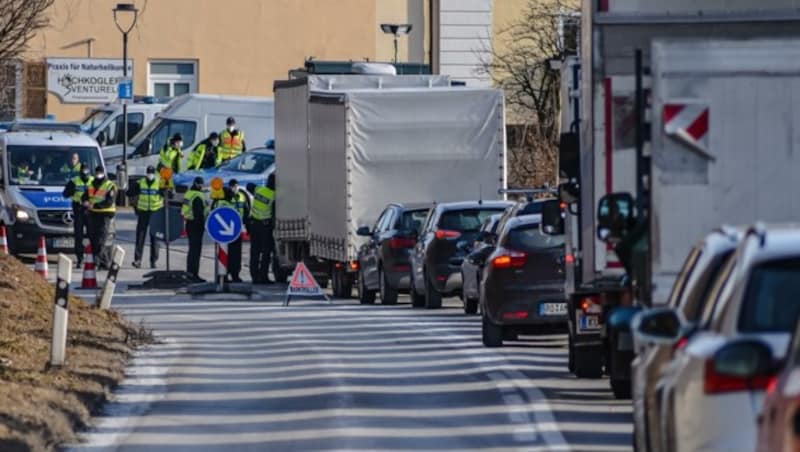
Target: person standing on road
point(231, 142)
point(149, 200)
point(237, 201)
point(171, 155)
point(205, 154)
point(195, 211)
point(100, 199)
point(260, 226)
point(75, 190)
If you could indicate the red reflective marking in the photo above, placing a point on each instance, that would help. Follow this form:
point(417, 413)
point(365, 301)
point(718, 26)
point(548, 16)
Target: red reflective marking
point(699, 127)
point(672, 110)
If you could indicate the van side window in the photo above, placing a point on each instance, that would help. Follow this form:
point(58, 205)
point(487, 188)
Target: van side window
point(170, 127)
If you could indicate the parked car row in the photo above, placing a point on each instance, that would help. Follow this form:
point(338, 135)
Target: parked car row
point(705, 361)
point(491, 254)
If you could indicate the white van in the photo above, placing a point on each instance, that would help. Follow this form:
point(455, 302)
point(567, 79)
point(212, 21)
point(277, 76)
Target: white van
point(195, 116)
point(105, 124)
point(31, 205)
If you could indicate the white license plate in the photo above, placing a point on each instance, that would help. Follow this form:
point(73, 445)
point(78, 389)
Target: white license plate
point(552, 309)
point(588, 322)
point(64, 243)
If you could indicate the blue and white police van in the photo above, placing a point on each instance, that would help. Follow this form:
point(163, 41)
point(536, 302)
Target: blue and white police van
point(36, 166)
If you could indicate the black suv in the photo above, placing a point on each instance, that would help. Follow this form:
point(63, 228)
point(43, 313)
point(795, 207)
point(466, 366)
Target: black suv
point(384, 260)
point(443, 242)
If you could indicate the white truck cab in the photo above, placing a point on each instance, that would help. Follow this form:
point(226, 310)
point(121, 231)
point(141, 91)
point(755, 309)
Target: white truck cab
point(106, 125)
point(34, 168)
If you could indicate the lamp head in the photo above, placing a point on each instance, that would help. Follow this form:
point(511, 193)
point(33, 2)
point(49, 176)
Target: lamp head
point(396, 29)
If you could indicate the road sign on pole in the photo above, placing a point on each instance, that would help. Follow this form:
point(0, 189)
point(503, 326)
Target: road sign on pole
point(224, 225)
point(125, 91)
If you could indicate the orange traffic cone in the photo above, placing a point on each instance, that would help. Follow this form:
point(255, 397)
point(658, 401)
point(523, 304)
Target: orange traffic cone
point(89, 278)
point(3, 241)
point(40, 266)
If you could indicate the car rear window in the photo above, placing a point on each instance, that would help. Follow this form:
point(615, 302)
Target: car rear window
point(412, 220)
point(771, 301)
point(467, 220)
point(529, 237)
point(531, 208)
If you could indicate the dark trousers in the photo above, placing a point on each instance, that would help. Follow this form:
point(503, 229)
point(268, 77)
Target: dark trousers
point(101, 235)
point(195, 230)
point(235, 257)
point(80, 227)
point(142, 225)
point(262, 248)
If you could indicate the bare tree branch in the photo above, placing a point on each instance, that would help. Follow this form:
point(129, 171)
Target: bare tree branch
point(532, 87)
point(20, 20)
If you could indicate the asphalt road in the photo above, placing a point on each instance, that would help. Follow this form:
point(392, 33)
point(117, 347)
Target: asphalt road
point(237, 374)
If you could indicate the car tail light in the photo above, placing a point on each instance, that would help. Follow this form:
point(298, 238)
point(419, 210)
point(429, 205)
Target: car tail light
point(515, 315)
point(591, 304)
point(510, 259)
point(772, 385)
point(444, 234)
point(398, 243)
point(569, 259)
point(354, 265)
point(720, 384)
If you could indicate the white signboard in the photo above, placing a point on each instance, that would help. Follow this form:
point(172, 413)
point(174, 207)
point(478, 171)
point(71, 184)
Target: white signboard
point(85, 80)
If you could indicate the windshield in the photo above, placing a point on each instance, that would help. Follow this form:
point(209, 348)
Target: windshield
point(770, 303)
point(469, 220)
point(249, 162)
point(48, 165)
point(159, 131)
point(411, 220)
point(94, 120)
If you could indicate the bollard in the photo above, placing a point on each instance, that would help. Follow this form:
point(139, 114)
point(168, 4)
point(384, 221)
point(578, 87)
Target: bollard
point(221, 266)
point(58, 348)
point(104, 297)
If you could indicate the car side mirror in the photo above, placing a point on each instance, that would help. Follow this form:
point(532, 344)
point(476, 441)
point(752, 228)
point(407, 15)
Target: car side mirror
point(478, 257)
point(657, 326)
point(744, 359)
point(615, 216)
point(552, 217)
point(145, 147)
point(364, 231)
point(101, 139)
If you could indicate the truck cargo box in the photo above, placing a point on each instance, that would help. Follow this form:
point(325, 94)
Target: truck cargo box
point(292, 133)
point(372, 147)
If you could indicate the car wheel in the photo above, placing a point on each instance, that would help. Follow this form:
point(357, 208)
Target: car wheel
point(388, 294)
point(492, 334)
point(365, 296)
point(433, 299)
point(342, 284)
point(588, 362)
point(417, 300)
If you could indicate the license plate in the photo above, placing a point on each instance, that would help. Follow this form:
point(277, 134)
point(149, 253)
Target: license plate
point(64, 243)
point(552, 309)
point(588, 322)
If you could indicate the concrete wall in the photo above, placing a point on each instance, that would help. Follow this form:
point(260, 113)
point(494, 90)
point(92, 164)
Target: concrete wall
point(241, 46)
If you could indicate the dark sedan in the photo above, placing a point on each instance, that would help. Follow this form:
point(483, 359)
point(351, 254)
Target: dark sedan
point(384, 260)
point(472, 267)
point(436, 260)
point(523, 283)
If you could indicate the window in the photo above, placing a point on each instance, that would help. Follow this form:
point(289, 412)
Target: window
point(160, 131)
point(770, 303)
point(411, 220)
point(171, 78)
point(47, 165)
point(249, 162)
point(469, 220)
point(94, 120)
point(114, 131)
point(528, 237)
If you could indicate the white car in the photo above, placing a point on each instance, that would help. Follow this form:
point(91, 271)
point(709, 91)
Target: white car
point(706, 406)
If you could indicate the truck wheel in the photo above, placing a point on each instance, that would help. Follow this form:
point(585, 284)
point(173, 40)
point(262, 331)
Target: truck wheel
point(588, 362)
point(470, 306)
point(433, 299)
point(347, 285)
point(492, 334)
point(388, 294)
point(620, 388)
point(417, 300)
point(365, 296)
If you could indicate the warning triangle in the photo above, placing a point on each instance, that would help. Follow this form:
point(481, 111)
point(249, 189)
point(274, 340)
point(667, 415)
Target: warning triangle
point(303, 282)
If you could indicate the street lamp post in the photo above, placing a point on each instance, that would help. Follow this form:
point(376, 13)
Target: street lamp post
point(124, 10)
point(396, 30)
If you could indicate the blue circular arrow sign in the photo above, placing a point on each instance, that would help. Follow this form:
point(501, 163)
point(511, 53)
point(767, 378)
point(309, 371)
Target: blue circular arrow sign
point(224, 225)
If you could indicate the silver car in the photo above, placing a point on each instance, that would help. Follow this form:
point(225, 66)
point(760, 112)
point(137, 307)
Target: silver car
point(656, 333)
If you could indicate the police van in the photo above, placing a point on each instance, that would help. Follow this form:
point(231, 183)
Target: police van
point(35, 167)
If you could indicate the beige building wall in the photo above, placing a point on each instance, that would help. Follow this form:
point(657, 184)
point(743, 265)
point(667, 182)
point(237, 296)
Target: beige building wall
point(241, 46)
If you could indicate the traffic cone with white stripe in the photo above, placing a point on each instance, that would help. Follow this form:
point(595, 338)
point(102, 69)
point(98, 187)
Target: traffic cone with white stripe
point(40, 266)
point(89, 278)
point(3, 241)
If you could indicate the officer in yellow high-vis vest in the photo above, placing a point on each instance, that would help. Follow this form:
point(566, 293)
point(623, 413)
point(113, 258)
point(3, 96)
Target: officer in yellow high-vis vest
point(100, 199)
point(204, 155)
point(75, 190)
point(149, 198)
point(171, 155)
point(231, 141)
point(194, 211)
point(260, 226)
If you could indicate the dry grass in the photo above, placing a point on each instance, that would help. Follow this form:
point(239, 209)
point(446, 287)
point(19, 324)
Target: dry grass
point(41, 408)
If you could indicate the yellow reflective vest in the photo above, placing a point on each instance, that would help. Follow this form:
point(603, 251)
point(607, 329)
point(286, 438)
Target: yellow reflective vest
point(188, 201)
point(80, 188)
point(98, 195)
point(262, 203)
point(150, 198)
point(230, 145)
